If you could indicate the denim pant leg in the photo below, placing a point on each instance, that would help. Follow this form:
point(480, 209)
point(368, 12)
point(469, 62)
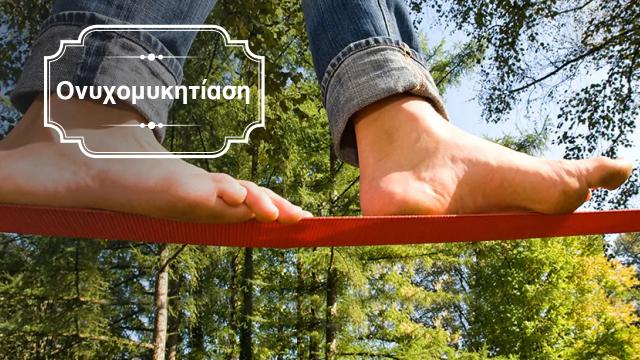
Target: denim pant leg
point(364, 51)
point(92, 64)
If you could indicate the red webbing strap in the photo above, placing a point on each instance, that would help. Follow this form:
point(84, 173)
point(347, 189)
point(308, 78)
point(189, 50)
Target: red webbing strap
point(316, 232)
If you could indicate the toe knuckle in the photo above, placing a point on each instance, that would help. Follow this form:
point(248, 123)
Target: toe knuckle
point(221, 178)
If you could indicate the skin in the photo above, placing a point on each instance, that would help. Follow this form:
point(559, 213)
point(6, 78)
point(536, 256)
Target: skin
point(412, 161)
point(448, 171)
point(37, 169)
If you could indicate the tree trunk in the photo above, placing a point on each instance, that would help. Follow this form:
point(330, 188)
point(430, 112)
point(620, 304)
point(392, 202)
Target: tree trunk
point(246, 331)
point(332, 279)
point(77, 282)
point(246, 350)
point(172, 347)
point(331, 310)
point(161, 297)
point(173, 340)
point(230, 348)
point(299, 310)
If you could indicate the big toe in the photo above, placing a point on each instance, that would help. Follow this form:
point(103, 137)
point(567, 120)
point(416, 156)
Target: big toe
point(603, 172)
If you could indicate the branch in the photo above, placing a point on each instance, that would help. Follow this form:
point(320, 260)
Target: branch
point(570, 62)
point(112, 246)
point(116, 340)
point(456, 66)
point(173, 257)
point(391, 257)
point(115, 323)
point(367, 354)
point(580, 7)
point(136, 328)
point(333, 202)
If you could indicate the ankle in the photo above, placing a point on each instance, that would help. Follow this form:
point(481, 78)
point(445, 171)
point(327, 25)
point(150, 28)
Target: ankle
point(396, 127)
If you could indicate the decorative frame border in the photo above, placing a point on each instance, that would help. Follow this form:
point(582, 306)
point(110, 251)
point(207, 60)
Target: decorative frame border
point(229, 140)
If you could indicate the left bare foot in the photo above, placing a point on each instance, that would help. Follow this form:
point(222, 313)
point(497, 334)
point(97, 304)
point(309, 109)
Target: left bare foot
point(36, 169)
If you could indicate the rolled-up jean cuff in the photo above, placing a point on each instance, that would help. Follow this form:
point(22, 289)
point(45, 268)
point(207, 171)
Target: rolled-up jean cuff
point(368, 71)
point(95, 63)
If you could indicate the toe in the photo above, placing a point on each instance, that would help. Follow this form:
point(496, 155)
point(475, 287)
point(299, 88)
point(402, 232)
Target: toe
point(579, 176)
point(198, 198)
point(229, 189)
point(606, 173)
point(223, 213)
point(289, 213)
point(260, 202)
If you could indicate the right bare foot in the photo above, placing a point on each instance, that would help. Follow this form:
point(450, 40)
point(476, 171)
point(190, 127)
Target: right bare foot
point(38, 170)
point(412, 161)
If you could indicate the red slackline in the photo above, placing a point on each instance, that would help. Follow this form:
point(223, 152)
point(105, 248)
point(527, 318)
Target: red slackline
point(315, 232)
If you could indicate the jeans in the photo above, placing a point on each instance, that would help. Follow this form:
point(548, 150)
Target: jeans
point(363, 51)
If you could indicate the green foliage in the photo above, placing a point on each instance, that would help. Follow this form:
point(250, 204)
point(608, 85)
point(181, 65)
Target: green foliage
point(552, 298)
point(58, 300)
point(626, 248)
point(529, 143)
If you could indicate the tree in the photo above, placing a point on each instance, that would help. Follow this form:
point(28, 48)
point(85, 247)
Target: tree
point(161, 304)
point(552, 298)
point(56, 300)
point(626, 249)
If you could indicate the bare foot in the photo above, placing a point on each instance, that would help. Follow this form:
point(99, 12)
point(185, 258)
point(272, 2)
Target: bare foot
point(38, 170)
point(412, 161)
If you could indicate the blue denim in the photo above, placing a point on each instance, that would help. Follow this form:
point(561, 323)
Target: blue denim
point(91, 66)
point(363, 51)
